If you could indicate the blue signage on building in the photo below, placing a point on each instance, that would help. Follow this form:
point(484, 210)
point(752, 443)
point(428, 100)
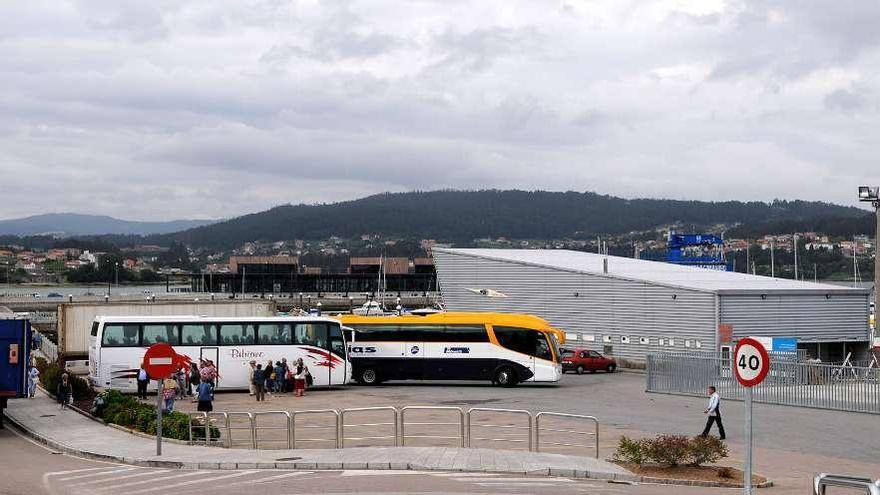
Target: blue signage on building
point(784, 344)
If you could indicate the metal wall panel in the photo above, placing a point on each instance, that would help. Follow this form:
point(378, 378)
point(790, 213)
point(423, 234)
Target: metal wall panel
point(604, 306)
point(75, 319)
point(810, 318)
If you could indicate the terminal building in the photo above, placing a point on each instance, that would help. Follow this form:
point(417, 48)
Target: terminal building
point(630, 307)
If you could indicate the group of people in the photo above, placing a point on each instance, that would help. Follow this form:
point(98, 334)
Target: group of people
point(278, 377)
point(181, 384)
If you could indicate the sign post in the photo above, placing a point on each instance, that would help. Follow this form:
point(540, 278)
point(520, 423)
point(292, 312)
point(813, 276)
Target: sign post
point(159, 362)
point(751, 363)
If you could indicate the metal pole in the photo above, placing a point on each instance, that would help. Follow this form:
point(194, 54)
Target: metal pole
point(747, 472)
point(795, 258)
point(159, 387)
point(877, 271)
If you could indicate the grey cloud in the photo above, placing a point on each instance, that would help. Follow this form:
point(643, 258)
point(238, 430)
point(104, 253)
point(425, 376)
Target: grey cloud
point(849, 101)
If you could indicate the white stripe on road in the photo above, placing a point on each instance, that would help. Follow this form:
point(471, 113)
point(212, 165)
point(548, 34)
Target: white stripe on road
point(270, 479)
point(144, 482)
point(92, 475)
point(163, 486)
point(381, 472)
point(60, 473)
point(514, 485)
point(517, 480)
point(466, 475)
point(117, 478)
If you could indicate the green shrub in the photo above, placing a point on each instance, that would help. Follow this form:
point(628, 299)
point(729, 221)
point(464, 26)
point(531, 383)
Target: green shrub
point(125, 410)
point(707, 450)
point(669, 450)
point(631, 451)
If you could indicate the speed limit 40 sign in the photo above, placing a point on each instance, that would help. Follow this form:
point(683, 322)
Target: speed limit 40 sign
point(751, 363)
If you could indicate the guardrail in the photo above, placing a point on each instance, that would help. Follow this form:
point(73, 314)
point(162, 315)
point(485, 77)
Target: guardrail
point(315, 412)
point(540, 415)
point(343, 425)
point(466, 425)
point(477, 410)
point(257, 427)
point(403, 436)
point(867, 485)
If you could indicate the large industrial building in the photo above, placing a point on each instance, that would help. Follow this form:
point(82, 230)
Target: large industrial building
point(631, 307)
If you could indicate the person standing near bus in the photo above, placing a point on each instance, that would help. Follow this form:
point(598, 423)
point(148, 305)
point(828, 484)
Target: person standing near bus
point(268, 374)
point(205, 395)
point(142, 381)
point(259, 382)
point(195, 379)
point(280, 377)
point(299, 378)
point(169, 393)
point(251, 367)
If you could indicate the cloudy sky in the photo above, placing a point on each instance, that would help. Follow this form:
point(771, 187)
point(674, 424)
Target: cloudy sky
point(171, 109)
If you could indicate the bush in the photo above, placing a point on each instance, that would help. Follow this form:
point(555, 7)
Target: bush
point(671, 450)
point(125, 410)
point(707, 450)
point(631, 451)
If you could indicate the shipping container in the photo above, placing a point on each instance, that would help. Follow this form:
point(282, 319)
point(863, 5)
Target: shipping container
point(75, 319)
point(15, 343)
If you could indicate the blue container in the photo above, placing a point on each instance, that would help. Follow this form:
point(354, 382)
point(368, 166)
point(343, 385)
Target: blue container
point(15, 351)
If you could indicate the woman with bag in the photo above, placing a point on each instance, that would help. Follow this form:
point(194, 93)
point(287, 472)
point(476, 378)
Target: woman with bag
point(301, 373)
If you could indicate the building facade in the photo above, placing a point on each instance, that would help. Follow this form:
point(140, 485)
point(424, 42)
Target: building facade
point(630, 307)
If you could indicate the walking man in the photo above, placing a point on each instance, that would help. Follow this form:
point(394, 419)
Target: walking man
point(142, 381)
point(714, 413)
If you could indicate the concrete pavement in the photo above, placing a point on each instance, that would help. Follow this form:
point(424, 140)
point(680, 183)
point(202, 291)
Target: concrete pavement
point(71, 432)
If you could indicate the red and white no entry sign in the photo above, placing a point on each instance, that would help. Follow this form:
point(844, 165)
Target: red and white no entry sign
point(160, 361)
point(751, 363)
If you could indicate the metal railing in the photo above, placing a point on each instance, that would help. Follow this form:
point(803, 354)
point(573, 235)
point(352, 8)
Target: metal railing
point(315, 412)
point(466, 425)
point(403, 436)
point(594, 433)
point(495, 427)
point(257, 428)
point(395, 414)
point(867, 485)
point(230, 417)
point(822, 386)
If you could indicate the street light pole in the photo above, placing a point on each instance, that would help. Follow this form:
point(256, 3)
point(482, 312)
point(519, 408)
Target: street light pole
point(872, 195)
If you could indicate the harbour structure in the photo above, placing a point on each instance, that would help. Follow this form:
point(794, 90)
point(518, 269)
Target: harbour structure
point(631, 307)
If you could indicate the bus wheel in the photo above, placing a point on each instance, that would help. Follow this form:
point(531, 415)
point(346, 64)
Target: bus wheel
point(579, 370)
point(369, 376)
point(505, 377)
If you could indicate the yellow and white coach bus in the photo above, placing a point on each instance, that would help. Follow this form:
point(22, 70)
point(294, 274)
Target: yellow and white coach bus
point(118, 343)
point(505, 349)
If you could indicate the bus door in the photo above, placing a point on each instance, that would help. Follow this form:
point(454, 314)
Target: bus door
point(212, 353)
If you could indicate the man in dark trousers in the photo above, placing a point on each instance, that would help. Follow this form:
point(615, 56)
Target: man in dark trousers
point(714, 413)
point(142, 380)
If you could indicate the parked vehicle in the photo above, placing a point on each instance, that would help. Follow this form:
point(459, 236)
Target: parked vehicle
point(580, 360)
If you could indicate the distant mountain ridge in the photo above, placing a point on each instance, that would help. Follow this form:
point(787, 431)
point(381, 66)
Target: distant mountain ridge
point(451, 215)
point(75, 224)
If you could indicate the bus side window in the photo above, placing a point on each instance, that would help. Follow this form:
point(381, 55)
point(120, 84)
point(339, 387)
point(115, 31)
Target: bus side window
point(337, 344)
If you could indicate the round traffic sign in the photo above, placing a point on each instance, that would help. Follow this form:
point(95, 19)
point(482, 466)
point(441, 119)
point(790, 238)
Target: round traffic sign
point(751, 363)
point(159, 361)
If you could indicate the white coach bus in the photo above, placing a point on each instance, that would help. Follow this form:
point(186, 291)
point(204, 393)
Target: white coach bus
point(118, 343)
point(504, 349)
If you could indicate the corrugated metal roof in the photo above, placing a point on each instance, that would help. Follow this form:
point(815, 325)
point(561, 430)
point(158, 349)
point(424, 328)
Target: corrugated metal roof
point(656, 272)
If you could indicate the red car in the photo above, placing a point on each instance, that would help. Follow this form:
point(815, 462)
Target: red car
point(580, 360)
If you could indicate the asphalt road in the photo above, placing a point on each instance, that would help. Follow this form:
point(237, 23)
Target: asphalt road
point(32, 469)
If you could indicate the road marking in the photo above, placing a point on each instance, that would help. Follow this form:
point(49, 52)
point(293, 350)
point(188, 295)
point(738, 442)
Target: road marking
point(144, 482)
point(117, 478)
point(381, 472)
point(92, 475)
point(61, 473)
point(270, 479)
point(466, 475)
point(514, 480)
point(163, 486)
point(516, 484)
